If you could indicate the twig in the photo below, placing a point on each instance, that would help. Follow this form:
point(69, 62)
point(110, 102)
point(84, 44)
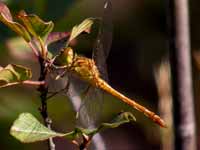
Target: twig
point(27, 82)
point(36, 83)
point(179, 44)
point(43, 89)
point(86, 141)
point(163, 79)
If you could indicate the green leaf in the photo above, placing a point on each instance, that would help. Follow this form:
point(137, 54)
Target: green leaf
point(87, 134)
point(22, 73)
point(14, 74)
point(36, 26)
point(56, 36)
point(120, 119)
point(6, 18)
point(26, 128)
point(78, 29)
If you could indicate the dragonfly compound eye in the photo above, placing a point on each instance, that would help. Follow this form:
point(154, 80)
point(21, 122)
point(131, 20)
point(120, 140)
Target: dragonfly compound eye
point(69, 54)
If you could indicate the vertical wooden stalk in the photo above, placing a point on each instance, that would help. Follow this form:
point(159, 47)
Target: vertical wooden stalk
point(43, 89)
point(179, 45)
point(163, 79)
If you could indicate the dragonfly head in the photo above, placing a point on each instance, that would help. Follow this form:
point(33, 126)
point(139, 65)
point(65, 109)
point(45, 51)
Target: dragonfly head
point(65, 58)
point(69, 53)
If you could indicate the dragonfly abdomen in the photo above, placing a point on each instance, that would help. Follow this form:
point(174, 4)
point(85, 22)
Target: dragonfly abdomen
point(104, 86)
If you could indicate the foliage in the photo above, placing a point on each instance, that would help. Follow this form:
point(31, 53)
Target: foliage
point(14, 74)
point(27, 129)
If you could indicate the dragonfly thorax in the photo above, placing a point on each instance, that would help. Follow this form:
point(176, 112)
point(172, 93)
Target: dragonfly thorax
point(85, 69)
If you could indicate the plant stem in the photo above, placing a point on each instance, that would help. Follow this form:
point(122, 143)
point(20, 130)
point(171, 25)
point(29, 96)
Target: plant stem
point(35, 51)
point(36, 83)
point(43, 49)
point(26, 82)
point(43, 89)
point(179, 45)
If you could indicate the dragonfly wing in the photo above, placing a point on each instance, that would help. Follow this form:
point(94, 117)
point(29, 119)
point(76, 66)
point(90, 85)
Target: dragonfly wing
point(107, 27)
point(59, 84)
point(77, 87)
point(66, 84)
point(91, 108)
point(104, 41)
point(86, 100)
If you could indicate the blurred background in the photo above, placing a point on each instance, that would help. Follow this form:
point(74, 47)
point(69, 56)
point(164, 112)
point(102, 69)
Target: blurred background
point(139, 47)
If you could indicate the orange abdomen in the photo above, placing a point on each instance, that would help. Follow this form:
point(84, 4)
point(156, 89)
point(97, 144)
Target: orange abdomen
point(104, 86)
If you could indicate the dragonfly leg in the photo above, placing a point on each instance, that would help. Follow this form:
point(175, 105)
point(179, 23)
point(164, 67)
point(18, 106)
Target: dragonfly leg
point(60, 75)
point(66, 88)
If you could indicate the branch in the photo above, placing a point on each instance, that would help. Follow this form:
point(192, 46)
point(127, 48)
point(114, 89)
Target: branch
point(35, 83)
point(43, 89)
point(27, 82)
point(179, 44)
point(35, 51)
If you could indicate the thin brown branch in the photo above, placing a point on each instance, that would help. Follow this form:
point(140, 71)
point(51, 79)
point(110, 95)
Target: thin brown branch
point(35, 83)
point(26, 82)
point(43, 89)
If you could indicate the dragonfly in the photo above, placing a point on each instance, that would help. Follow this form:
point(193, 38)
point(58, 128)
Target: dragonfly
point(93, 71)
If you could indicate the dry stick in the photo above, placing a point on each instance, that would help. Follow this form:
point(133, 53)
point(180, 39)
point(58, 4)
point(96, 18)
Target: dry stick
point(163, 79)
point(179, 45)
point(43, 89)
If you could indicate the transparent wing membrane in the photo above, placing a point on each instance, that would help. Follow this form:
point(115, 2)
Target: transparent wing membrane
point(86, 99)
point(105, 32)
point(59, 85)
point(90, 109)
point(66, 84)
point(92, 102)
point(76, 87)
point(107, 28)
point(104, 41)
